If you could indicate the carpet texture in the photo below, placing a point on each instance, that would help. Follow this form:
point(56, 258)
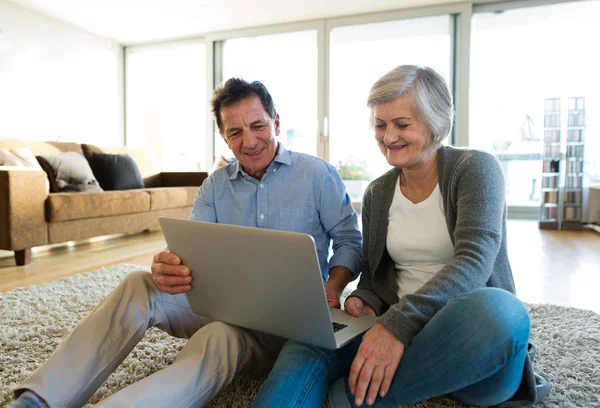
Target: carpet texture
point(33, 320)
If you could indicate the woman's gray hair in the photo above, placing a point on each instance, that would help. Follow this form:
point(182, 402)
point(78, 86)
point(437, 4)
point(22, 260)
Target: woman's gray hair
point(428, 90)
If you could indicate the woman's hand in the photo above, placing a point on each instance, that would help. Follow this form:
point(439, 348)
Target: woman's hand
point(375, 364)
point(355, 306)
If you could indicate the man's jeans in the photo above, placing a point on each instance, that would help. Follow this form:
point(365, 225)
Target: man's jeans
point(474, 348)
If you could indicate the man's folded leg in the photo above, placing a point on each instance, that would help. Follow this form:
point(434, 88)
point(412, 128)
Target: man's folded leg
point(88, 355)
point(207, 363)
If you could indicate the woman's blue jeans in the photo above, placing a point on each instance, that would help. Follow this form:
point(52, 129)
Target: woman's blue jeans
point(474, 348)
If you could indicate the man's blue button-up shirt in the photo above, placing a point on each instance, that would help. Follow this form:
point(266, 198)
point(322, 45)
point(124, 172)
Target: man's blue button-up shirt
point(299, 193)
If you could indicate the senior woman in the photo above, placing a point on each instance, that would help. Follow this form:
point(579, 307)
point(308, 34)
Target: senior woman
point(435, 270)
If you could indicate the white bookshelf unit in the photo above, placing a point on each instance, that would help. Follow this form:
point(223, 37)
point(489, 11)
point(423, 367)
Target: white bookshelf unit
point(573, 189)
point(550, 207)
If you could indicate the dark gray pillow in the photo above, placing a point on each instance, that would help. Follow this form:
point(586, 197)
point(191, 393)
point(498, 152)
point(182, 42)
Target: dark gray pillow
point(116, 171)
point(69, 172)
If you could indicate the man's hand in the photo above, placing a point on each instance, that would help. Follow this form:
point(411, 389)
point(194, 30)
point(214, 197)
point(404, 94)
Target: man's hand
point(333, 293)
point(375, 363)
point(169, 274)
point(339, 277)
point(355, 306)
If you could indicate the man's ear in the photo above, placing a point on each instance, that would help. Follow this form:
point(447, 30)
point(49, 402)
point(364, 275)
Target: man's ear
point(277, 128)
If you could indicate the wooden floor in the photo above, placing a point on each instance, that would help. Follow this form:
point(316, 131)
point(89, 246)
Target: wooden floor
point(48, 264)
point(559, 267)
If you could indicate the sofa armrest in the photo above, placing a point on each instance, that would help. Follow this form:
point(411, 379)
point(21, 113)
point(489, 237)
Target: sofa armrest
point(182, 179)
point(22, 216)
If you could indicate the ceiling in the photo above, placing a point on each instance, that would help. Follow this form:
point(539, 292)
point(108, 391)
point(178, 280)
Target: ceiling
point(141, 21)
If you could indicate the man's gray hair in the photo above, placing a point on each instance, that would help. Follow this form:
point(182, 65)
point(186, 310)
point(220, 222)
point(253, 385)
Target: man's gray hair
point(428, 90)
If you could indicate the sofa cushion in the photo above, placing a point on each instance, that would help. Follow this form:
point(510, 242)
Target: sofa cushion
point(74, 206)
point(147, 160)
point(171, 197)
point(75, 230)
point(115, 171)
point(69, 172)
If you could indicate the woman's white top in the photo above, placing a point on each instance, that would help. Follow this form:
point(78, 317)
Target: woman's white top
point(417, 240)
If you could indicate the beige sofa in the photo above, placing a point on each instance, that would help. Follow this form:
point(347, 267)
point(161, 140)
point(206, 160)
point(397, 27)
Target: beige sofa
point(30, 216)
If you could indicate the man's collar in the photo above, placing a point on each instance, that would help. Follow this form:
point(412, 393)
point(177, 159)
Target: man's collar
point(283, 156)
point(234, 169)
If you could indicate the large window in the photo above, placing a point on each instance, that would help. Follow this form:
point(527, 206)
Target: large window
point(359, 55)
point(320, 72)
point(520, 58)
point(287, 65)
point(166, 104)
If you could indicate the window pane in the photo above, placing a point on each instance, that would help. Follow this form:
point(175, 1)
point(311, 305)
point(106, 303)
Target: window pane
point(520, 60)
point(360, 54)
point(287, 65)
point(166, 104)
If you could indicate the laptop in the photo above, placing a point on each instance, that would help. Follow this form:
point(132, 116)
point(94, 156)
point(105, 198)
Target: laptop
point(260, 279)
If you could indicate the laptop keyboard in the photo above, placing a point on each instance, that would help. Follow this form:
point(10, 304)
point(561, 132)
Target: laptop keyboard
point(338, 326)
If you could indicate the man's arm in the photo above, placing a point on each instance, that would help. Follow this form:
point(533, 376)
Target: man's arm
point(364, 292)
point(204, 203)
point(168, 273)
point(341, 223)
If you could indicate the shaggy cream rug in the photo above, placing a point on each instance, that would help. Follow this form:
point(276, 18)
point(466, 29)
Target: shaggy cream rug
point(33, 320)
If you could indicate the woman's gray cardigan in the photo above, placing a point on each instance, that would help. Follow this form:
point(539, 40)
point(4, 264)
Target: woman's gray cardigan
point(473, 192)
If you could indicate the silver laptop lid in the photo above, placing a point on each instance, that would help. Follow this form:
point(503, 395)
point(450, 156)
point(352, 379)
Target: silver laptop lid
point(266, 280)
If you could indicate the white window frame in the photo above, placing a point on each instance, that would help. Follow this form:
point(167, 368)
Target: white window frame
point(214, 65)
point(487, 6)
point(460, 44)
point(461, 48)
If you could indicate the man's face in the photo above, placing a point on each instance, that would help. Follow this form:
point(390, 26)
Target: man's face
point(250, 134)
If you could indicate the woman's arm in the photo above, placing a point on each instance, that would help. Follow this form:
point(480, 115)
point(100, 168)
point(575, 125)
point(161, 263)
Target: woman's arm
point(365, 289)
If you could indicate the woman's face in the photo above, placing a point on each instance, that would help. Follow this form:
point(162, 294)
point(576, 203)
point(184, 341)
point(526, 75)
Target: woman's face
point(403, 138)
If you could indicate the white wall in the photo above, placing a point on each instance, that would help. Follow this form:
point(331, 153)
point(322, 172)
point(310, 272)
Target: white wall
point(57, 81)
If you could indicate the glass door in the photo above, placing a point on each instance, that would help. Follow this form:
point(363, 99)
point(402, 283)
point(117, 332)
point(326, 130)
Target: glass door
point(286, 63)
point(528, 65)
point(359, 55)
